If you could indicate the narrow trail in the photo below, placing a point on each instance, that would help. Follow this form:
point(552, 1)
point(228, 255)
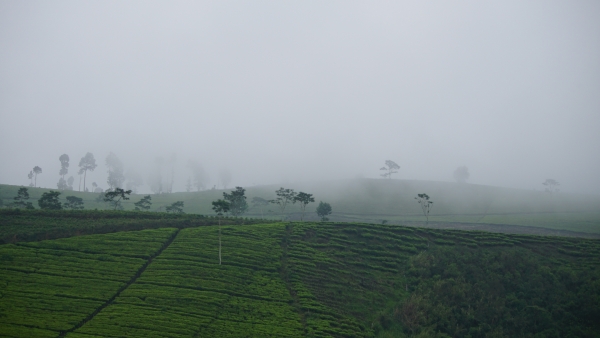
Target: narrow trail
point(123, 288)
point(285, 275)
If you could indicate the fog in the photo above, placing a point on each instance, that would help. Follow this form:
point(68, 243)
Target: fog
point(282, 92)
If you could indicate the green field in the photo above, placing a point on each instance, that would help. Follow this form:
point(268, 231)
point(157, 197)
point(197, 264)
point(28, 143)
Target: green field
point(299, 280)
point(372, 201)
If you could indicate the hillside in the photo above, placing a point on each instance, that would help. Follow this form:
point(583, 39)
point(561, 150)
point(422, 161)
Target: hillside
point(300, 280)
point(466, 206)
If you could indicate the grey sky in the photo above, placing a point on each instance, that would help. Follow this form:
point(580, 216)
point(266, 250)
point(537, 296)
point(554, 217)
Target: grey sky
point(284, 91)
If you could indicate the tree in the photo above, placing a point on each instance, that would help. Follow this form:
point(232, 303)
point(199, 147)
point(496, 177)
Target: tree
point(36, 170)
point(225, 177)
point(426, 204)
point(323, 210)
point(237, 201)
point(115, 171)
point(303, 199)
point(73, 203)
point(176, 208)
point(64, 169)
point(144, 204)
point(284, 197)
point(260, 203)
point(88, 162)
point(199, 174)
point(461, 174)
point(30, 177)
point(551, 185)
point(49, 200)
point(114, 197)
point(20, 201)
point(70, 182)
point(220, 207)
point(391, 167)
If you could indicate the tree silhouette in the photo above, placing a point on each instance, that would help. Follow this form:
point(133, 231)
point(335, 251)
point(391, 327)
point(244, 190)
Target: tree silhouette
point(176, 208)
point(114, 197)
point(284, 197)
point(49, 200)
point(88, 162)
point(323, 210)
point(36, 170)
point(144, 204)
point(551, 185)
point(237, 201)
point(73, 203)
point(303, 198)
point(461, 174)
point(391, 167)
point(426, 204)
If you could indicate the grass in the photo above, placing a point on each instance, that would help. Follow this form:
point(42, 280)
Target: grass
point(300, 280)
point(369, 200)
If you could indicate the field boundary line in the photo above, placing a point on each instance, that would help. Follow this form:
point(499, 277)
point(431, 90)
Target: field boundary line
point(123, 288)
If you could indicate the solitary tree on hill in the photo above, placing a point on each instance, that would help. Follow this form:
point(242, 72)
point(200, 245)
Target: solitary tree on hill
point(426, 204)
point(303, 198)
point(391, 167)
point(36, 170)
point(30, 177)
point(49, 200)
point(323, 210)
point(220, 207)
point(114, 197)
point(284, 197)
point(461, 174)
point(88, 162)
point(551, 185)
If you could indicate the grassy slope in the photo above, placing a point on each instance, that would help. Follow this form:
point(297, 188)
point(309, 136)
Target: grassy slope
point(301, 279)
point(368, 200)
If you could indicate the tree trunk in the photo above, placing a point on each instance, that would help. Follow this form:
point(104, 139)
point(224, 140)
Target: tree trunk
point(219, 241)
point(35, 180)
point(84, 175)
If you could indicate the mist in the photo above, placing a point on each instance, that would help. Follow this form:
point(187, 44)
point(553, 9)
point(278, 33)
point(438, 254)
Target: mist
point(287, 92)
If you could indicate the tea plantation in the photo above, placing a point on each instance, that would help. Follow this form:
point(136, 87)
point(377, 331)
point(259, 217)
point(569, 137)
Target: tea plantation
point(300, 280)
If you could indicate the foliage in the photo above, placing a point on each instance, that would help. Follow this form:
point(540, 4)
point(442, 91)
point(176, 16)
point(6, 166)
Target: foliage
point(114, 197)
point(144, 204)
point(237, 201)
point(323, 210)
point(284, 197)
point(461, 174)
point(176, 207)
point(303, 198)
point(425, 203)
point(49, 200)
point(391, 167)
point(73, 203)
point(20, 201)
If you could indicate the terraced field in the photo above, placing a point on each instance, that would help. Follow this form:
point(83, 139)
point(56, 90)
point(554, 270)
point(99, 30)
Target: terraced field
point(300, 280)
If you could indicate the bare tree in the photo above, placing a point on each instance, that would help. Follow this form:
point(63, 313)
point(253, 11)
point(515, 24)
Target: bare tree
point(426, 204)
point(551, 185)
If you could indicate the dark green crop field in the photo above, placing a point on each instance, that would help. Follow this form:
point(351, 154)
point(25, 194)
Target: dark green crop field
point(300, 280)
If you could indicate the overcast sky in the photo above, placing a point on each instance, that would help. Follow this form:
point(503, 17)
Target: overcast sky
point(285, 91)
